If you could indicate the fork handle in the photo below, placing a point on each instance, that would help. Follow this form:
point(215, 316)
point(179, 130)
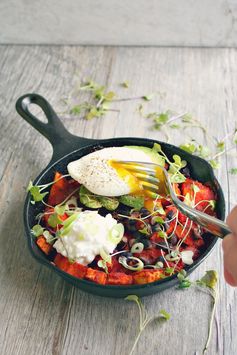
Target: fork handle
point(212, 224)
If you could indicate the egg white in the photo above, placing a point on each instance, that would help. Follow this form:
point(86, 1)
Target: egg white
point(96, 174)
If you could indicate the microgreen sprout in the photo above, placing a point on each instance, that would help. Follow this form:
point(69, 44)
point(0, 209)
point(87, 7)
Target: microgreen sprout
point(37, 230)
point(209, 284)
point(144, 318)
point(36, 190)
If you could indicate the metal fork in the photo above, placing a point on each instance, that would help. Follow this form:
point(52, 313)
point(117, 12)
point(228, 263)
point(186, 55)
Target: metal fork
point(155, 179)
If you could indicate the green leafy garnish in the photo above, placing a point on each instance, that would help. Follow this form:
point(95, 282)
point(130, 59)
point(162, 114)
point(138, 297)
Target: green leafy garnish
point(214, 164)
point(220, 146)
point(145, 230)
point(54, 220)
point(77, 109)
point(134, 201)
point(60, 209)
point(188, 147)
point(37, 230)
point(158, 219)
point(35, 192)
point(144, 318)
point(159, 119)
point(162, 234)
point(209, 280)
point(184, 282)
point(174, 169)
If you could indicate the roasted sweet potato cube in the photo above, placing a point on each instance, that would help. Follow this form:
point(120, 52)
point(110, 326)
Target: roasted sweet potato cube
point(96, 276)
point(77, 270)
point(43, 244)
point(119, 278)
point(61, 189)
point(146, 276)
point(202, 197)
point(61, 262)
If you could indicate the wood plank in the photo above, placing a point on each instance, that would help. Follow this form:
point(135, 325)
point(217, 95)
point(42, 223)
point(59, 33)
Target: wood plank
point(40, 313)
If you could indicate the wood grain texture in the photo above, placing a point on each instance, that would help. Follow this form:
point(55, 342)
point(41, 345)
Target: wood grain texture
point(40, 313)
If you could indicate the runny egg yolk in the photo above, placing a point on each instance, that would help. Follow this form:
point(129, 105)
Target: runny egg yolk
point(135, 184)
point(131, 180)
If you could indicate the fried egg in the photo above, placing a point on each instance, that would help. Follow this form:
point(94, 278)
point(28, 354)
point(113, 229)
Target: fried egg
point(100, 174)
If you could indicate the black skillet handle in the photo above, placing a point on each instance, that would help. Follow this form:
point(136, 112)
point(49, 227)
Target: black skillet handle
point(62, 141)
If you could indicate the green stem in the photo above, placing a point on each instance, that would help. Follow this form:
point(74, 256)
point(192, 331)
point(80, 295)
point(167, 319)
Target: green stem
point(42, 187)
point(210, 325)
point(136, 341)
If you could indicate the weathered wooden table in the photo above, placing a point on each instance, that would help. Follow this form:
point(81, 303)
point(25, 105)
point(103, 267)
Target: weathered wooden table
point(42, 314)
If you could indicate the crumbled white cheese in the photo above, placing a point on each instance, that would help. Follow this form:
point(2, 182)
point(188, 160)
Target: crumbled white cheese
point(89, 234)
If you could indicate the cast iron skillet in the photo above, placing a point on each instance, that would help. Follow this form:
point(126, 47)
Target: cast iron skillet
point(66, 148)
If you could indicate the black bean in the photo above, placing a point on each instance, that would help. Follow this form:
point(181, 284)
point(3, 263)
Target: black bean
point(196, 233)
point(156, 228)
point(120, 246)
point(174, 239)
point(132, 241)
point(147, 244)
point(122, 209)
point(170, 215)
point(161, 259)
point(145, 260)
point(138, 235)
point(162, 245)
point(131, 225)
point(144, 212)
point(186, 171)
point(126, 254)
point(93, 263)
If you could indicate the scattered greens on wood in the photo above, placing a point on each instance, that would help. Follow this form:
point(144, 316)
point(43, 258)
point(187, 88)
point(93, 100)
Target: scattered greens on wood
point(209, 284)
point(125, 84)
point(148, 97)
point(99, 103)
point(144, 318)
point(233, 171)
